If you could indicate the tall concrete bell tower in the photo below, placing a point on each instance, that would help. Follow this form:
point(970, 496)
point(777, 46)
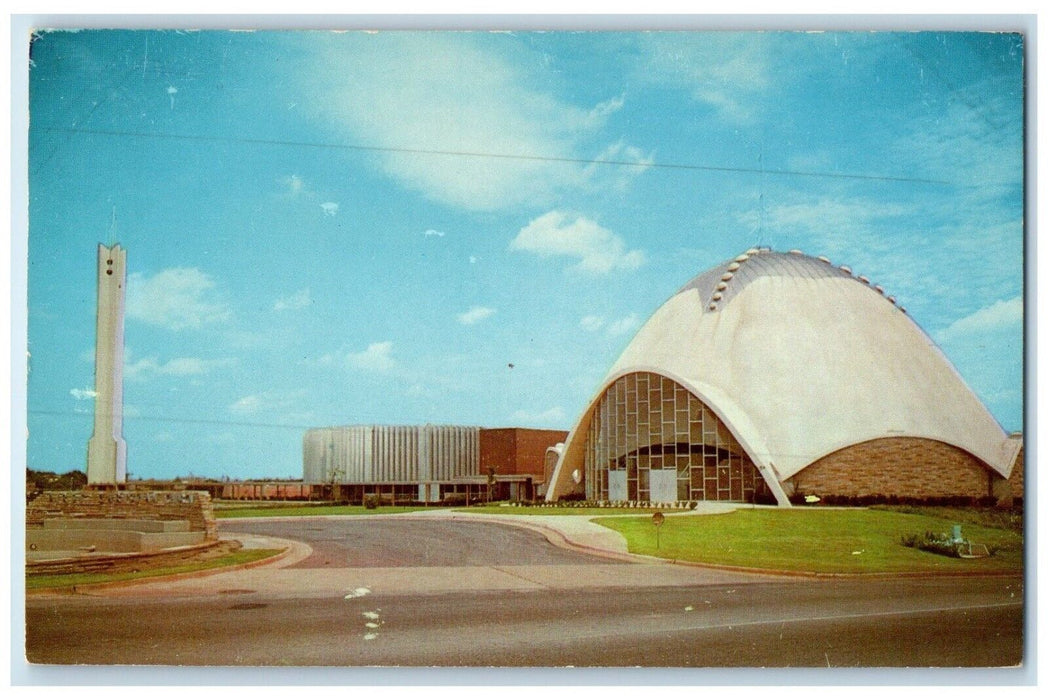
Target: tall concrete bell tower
point(106, 450)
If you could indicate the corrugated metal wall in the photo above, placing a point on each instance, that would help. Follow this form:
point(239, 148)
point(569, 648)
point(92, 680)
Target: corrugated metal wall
point(381, 453)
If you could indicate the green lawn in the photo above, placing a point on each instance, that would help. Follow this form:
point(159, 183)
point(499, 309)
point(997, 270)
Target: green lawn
point(244, 556)
point(558, 510)
point(268, 511)
point(815, 540)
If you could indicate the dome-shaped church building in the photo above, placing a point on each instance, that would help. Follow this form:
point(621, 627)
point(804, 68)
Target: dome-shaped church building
point(779, 374)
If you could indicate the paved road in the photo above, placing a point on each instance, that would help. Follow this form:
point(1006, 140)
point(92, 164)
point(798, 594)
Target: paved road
point(561, 608)
point(402, 542)
point(945, 622)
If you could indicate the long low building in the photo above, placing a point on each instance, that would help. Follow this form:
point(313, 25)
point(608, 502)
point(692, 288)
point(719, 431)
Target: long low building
point(428, 463)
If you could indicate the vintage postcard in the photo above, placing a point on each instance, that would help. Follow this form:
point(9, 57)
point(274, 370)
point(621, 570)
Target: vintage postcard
point(512, 349)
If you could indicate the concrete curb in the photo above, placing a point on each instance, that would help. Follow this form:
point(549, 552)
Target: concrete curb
point(292, 552)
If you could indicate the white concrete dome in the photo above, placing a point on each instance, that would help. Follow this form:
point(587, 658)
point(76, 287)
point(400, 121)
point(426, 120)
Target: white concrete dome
point(799, 359)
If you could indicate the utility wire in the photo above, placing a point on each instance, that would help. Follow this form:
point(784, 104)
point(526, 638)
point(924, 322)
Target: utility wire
point(201, 421)
point(169, 419)
point(113, 88)
point(502, 156)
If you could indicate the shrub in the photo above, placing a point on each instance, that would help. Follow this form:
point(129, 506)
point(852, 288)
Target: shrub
point(896, 500)
point(940, 544)
point(371, 502)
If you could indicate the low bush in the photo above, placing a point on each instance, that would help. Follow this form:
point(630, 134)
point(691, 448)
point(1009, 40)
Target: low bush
point(896, 500)
point(930, 542)
point(941, 544)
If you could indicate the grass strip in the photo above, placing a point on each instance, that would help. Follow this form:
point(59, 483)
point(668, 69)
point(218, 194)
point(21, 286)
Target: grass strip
point(290, 511)
point(815, 540)
point(243, 556)
point(561, 510)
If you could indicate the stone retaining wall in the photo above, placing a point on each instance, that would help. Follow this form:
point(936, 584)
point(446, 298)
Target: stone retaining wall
point(902, 466)
point(192, 506)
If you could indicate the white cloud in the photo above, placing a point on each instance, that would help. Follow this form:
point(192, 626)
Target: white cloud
point(462, 123)
point(298, 300)
point(246, 404)
point(986, 347)
point(177, 298)
point(375, 359)
point(725, 70)
point(981, 147)
point(591, 323)
point(605, 109)
point(433, 232)
point(141, 369)
point(609, 164)
point(265, 401)
point(832, 221)
point(598, 249)
point(1000, 315)
point(149, 367)
point(294, 184)
point(473, 260)
point(475, 315)
point(551, 416)
point(623, 325)
point(330, 208)
point(83, 394)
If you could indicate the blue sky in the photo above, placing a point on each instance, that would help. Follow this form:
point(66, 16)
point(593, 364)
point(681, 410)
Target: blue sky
point(336, 228)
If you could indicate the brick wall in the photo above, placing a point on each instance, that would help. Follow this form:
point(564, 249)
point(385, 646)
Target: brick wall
point(911, 467)
point(193, 506)
point(519, 451)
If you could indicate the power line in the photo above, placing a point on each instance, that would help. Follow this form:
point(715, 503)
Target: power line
point(171, 419)
point(501, 156)
point(115, 86)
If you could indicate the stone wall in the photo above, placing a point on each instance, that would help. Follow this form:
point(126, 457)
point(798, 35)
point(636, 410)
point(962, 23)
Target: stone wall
point(909, 467)
point(192, 506)
point(1018, 477)
point(1013, 488)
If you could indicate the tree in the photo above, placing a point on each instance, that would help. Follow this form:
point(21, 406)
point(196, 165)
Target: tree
point(335, 477)
point(492, 481)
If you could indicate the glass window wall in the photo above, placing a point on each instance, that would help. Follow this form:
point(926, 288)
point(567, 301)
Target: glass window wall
point(646, 422)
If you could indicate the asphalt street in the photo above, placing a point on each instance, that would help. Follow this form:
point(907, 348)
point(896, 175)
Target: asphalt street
point(573, 610)
point(406, 542)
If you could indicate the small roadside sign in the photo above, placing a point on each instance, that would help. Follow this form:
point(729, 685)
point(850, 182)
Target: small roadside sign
point(657, 519)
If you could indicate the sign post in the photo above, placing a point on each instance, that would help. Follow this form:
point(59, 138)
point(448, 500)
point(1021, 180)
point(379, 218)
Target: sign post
point(657, 520)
